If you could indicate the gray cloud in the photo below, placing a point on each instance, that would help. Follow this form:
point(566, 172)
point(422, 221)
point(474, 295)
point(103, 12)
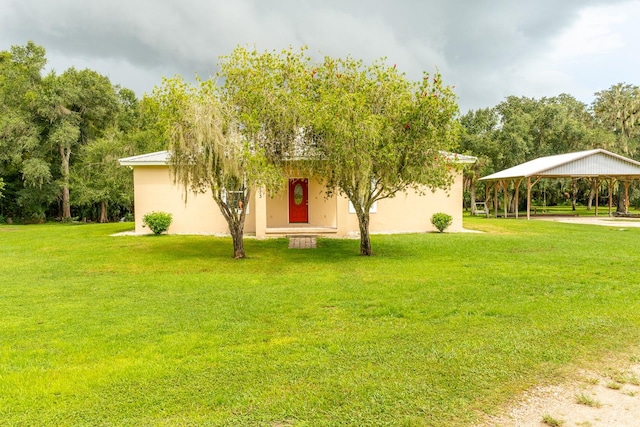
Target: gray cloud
point(482, 47)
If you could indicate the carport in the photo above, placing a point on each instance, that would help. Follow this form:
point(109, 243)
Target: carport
point(599, 165)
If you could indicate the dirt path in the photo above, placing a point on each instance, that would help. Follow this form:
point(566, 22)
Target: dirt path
point(605, 221)
point(606, 397)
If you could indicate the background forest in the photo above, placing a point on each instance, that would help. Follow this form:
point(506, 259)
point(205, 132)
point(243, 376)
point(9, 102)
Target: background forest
point(62, 134)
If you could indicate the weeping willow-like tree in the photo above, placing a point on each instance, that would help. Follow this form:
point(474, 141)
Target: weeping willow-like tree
point(209, 151)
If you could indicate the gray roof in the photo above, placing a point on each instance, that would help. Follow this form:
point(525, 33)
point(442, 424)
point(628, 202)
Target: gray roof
point(590, 163)
point(159, 158)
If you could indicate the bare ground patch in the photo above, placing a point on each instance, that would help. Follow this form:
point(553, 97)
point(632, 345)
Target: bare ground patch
point(605, 396)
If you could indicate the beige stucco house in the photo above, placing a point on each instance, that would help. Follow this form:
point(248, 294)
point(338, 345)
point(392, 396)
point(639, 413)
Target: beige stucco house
point(301, 208)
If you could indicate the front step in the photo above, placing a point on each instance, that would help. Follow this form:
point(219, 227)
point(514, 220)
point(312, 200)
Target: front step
point(302, 242)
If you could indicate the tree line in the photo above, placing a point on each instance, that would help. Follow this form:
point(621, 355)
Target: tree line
point(60, 138)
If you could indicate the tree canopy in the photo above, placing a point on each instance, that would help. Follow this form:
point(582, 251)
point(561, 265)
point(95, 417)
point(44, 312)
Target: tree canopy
point(377, 133)
point(49, 124)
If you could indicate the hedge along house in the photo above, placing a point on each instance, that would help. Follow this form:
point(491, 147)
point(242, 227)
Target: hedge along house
point(302, 207)
point(597, 165)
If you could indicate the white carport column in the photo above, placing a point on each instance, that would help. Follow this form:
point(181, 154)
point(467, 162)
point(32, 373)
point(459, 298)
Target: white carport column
point(528, 198)
point(261, 212)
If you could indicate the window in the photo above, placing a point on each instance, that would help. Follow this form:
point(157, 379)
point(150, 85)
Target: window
point(374, 206)
point(373, 209)
point(234, 198)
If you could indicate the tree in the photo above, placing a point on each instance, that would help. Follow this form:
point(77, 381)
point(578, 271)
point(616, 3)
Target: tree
point(98, 179)
point(75, 107)
point(478, 138)
point(617, 109)
point(100, 187)
point(269, 92)
point(20, 79)
point(209, 152)
point(378, 134)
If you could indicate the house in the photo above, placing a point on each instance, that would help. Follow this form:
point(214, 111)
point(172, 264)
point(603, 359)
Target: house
point(301, 208)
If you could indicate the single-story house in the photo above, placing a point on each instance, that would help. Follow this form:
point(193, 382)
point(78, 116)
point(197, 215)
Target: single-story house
point(301, 208)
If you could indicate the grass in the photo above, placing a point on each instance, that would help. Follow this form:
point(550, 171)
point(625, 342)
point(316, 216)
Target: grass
point(435, 329)
point(585, 399)
point(551, 421)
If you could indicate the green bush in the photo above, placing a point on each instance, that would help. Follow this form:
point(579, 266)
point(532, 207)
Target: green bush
point(158, 222)
point(441, 221)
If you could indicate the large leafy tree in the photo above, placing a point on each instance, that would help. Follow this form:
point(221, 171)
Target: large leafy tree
point(478, 138)
point(269, 92)
point(102, 189)
point(377, 133)
point(209, 151)
point(617, 109)
point(75, 107)
point(20, 80)
point(235, 137)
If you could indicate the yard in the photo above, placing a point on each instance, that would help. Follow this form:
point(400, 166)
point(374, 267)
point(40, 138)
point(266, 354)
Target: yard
point(434, 329)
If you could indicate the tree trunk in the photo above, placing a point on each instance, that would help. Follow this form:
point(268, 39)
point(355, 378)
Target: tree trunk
point(238, 244)
point(365, 238)
point(621, 206)
point(472, 196)
point(65, 154)
point(592, 194)
point(574, 193)
point(103, 213)
point(235, 215)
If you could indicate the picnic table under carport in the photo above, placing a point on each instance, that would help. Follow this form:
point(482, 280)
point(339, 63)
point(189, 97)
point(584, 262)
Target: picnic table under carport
point(597, 164)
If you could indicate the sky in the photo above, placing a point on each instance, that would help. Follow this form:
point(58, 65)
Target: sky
point(487, 49)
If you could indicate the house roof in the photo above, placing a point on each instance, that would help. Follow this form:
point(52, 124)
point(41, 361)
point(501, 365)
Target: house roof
point(459, 158)
point(159, 158)
point(590, 163)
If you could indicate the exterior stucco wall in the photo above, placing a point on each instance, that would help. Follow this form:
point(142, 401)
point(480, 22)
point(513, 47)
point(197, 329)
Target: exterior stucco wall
point(155, 191)
point(411, 212)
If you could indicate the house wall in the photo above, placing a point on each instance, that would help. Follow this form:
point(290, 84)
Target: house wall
point(155, 191)
point(410, 212)
point(407, 212)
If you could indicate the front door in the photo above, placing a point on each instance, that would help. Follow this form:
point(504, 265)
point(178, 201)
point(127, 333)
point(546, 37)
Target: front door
point(299, 200)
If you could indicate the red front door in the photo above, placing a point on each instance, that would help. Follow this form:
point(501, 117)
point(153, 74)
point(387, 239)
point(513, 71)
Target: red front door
point(299, 200)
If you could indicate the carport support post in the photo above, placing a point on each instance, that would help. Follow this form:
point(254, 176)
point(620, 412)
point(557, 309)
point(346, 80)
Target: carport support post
point(495, 199)
point(517, 195)
point(596, 185)
point(505, 194)
point(626, 196)
point(528, 198)
point(610, 197)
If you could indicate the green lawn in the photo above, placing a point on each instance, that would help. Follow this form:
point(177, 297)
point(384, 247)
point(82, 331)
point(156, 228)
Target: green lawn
point(435, 329)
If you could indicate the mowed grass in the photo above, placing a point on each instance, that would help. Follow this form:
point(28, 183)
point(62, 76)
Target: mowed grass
point(434, 329)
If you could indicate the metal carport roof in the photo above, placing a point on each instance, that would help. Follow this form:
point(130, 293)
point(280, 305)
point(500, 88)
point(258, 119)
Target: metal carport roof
point(597, 163)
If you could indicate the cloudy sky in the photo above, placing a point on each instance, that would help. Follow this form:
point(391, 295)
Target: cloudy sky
point(488, 49)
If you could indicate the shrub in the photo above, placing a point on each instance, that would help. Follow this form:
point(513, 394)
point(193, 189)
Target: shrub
point(158, 222)
point(441, 221)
